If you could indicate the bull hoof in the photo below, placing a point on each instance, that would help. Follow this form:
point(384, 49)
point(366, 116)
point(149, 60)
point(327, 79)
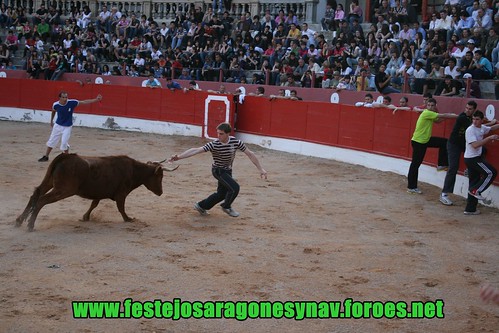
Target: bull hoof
point(85, 218)
point(18, 223)
point(31, 225)
point(130, 219)
point(31, 229)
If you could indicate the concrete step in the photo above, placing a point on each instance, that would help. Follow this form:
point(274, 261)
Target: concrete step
point(487, 88)
point(366, 27)
point(315, 26)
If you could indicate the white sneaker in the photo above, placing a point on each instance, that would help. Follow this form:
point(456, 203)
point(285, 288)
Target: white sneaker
point(444, 199)
point(476, 212)
point(230, 212)
point(476, 194)
point(201, 211)
point(414, 190)
point(479, 196)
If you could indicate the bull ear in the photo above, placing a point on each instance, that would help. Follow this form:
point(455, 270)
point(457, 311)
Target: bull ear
point(157, 169)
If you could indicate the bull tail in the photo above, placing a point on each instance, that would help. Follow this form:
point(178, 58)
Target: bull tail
point(45, 186)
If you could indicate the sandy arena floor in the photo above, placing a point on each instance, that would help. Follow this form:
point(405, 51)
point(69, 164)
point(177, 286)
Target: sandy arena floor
point(315, 230)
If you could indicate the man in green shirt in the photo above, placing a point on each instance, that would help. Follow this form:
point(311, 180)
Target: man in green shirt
point(422, 139)
point(43, 29)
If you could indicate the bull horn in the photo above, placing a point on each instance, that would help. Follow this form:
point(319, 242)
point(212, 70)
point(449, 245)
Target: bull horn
point(161, 161)
point(172, 168)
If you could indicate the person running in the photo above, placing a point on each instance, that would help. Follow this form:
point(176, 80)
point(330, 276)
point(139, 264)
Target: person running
point(223, 151)
point(422, 139)
point(480, 173)
point(61, 130)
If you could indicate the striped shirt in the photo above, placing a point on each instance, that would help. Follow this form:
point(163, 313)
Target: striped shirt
point(224, 153)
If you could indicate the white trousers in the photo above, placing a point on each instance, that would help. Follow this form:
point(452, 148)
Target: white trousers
point(60, 133)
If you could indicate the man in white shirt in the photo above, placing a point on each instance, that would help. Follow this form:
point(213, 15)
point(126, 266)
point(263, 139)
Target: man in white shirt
point(309, 33)
point(452, 69)
point(314, 66)
point(480, 173)
point(406, 67)
point(155, 53)
point(139, 61)
point(482, 20)
point(164, 29)
point(465, 22)
point(406, 33)
point(419, 75)
point(444, 26)
point(103, 19)
point(459, 53)
point(368, 101)
point(444, 22)
point(472, 46)
point(267, 20)
point(473, 10)
point(114, 18)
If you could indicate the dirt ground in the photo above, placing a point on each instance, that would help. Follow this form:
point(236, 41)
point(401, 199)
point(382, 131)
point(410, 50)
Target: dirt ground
point(315, 230)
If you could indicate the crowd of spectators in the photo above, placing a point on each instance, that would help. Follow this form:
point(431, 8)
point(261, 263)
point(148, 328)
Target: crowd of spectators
point(460, 40)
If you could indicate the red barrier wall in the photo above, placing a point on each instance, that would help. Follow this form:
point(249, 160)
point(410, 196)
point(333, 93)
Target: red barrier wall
point(123, 101)
point(366, 129)
point(319, 95)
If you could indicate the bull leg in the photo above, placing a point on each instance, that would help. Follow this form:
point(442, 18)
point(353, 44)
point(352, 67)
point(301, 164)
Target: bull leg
point(40, 190)
point(21, 218)
point(52, 196)
point(120, 203)
point(94, 204)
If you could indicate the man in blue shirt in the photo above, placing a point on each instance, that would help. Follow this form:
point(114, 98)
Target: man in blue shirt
point(61, 130)
point(152, 82)
point(172, 85)
point(481, 68)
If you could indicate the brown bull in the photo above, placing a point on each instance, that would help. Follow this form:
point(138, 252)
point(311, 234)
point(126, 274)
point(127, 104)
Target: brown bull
point(94, 178)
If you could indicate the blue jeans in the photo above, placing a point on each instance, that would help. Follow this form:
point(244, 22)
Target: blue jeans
point(227, 190)
point(389, 90)
point(219, 7)
point(57, 74)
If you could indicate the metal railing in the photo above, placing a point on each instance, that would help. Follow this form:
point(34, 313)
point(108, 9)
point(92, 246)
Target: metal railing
point(163, 11)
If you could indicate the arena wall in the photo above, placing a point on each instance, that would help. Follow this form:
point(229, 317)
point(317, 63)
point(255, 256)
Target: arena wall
point(371, 137)
point(319, 95)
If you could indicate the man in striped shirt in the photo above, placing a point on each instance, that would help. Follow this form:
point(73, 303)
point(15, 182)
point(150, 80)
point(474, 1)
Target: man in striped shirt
point(223, 151)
